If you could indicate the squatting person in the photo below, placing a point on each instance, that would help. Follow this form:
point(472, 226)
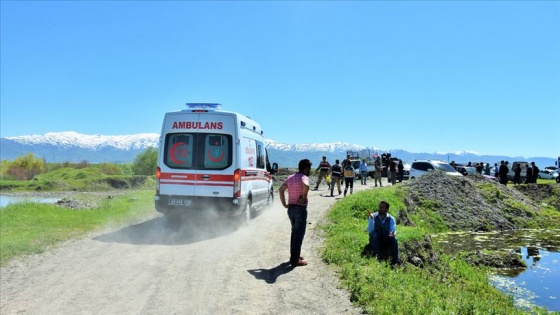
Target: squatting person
point(382, 230)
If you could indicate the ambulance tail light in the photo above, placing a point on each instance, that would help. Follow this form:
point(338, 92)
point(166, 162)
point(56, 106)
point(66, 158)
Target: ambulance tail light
point(158, 176)
point(237, 183)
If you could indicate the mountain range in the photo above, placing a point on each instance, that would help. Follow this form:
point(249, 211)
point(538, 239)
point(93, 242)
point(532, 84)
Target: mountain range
point(74, 147)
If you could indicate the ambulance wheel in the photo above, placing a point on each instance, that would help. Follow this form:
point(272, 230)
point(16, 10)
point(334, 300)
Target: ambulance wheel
point(246, 215)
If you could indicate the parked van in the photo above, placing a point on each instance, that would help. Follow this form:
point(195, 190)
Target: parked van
point(211, 160)
point(524, 165)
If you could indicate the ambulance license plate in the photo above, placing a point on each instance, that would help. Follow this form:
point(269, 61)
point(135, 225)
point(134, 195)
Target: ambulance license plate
point(179, 202)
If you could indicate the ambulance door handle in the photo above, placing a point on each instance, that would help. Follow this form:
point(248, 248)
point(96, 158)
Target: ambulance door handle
point(206, 177)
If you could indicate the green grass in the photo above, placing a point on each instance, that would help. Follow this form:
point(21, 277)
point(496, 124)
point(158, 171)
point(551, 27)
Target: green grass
point(449, 287)
point(30, 228)
point(90, 178)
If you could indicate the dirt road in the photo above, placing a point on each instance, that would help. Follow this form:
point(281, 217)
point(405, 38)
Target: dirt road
point(148, 269)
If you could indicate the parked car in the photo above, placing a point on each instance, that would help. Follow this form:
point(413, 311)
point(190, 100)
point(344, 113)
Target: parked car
point(421, 167)
point(552, 168)
point(406, 170)
point(469, 170)
point(548, 174)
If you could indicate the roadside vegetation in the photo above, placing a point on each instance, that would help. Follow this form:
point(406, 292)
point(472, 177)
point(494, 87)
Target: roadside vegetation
point(29, 173)
point(31, 228)
point(428, 281)
point(124, 195)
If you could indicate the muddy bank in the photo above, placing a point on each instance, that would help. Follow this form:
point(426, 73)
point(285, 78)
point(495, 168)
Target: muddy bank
point(473, 203)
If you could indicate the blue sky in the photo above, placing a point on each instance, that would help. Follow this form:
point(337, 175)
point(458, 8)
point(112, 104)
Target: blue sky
point(421, 76)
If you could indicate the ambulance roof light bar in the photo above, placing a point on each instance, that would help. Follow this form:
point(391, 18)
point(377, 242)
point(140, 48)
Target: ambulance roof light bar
point(203, 107)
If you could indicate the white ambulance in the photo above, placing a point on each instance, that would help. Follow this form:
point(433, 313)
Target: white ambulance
point(211, 161)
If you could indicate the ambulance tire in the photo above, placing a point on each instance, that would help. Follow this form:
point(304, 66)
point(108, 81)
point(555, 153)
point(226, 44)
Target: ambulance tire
point(247, 214)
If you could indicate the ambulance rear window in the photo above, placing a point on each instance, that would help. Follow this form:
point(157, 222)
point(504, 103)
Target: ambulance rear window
point(200, 151)
point(217, 151)
point(179, 151)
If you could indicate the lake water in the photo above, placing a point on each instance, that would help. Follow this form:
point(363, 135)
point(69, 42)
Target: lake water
point(539, 283)
point(10, 199)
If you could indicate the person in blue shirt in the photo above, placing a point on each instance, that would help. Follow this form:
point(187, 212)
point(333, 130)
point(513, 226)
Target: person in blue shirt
point(363, 172)
point(382, 229)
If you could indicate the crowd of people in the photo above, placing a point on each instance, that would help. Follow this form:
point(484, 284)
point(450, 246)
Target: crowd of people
point(343, 174)
point(502, 170)
point(381, 225)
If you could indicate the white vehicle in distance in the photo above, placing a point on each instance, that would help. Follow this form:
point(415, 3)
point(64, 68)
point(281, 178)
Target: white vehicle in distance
point(548, 174)
point(421, 167)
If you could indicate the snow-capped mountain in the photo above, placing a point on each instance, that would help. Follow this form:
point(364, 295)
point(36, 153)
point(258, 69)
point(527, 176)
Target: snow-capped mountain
point(71, 146)
point(313, 147)
point(70, 139)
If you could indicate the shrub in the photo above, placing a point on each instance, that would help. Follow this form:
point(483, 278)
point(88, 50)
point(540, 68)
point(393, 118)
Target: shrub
point(110, 169)
point(26, 167)
point(145, 163)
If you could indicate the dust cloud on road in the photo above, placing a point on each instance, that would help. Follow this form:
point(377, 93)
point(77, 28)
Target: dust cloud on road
point(149, 269)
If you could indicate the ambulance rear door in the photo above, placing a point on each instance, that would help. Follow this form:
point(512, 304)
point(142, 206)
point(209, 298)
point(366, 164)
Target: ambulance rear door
point(215, 155)
point(198, 156)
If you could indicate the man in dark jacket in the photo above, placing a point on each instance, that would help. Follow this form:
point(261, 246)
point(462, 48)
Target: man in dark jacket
point(535, 172)
point(529, 176)
point(503, 173)
point(336, 176)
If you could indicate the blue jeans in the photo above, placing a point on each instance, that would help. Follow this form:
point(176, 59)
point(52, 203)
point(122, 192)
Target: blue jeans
point(363, 176)
point(381, 243)
point(298, 218)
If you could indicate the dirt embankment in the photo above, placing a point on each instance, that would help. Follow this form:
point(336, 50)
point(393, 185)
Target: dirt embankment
point(474, 203)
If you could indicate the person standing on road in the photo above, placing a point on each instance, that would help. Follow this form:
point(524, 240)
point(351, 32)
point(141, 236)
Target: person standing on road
point(517, 174)
point(297, 186)
point(363, 172)
point(323, 168)
point(382, 229)
point(529, 175)
point(487, 169)
point(535, 172)
point(378, 171)
point(400, 171)
point(393, 172)
point(496, 170)
point(478, 168)
point(503, 173)
point(336, 176)
point(349, 177)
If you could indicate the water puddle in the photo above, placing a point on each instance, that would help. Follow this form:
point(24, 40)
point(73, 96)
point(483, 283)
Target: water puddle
point(10, 199)
point(536, 285)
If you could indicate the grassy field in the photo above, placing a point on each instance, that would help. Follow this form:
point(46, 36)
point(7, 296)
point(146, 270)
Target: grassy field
point(30, 228)
point(78, 177)
point(449, 287)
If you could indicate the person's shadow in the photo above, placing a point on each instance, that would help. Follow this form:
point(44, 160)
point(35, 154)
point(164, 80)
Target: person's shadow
point(270, 275)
